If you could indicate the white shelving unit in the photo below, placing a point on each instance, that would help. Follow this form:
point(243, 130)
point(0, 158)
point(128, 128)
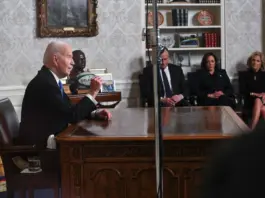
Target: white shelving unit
point(192, 55)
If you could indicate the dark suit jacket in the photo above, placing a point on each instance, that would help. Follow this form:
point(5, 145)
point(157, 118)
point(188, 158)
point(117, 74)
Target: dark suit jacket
point(177, 82)
point(207, 83)
point(237, 168)
point(250, 81)
point(45, 111)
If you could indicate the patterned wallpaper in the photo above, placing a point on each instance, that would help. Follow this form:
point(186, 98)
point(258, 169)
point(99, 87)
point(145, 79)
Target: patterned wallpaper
point(118, 47)
point(243, 21)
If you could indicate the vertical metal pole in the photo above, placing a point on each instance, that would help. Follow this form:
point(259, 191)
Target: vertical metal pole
point(156, 61)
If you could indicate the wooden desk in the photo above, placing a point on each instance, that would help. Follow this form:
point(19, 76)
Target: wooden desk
point(117, 158)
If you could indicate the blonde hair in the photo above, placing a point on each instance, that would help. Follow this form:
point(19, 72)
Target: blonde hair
point(256, 53)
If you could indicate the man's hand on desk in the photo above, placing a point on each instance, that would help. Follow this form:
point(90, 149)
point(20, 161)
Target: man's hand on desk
point(103, 114)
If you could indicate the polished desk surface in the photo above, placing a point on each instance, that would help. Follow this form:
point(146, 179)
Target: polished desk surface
point(177, 124)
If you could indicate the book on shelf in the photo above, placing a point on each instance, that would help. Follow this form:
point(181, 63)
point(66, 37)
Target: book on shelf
point(150, 1)
point(208, 1)
point(180, 17)
point(211, 39)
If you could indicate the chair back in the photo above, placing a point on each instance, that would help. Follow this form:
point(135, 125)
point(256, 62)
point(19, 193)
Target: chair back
point(192, 83)
point(9, 124)
point(142, 85)
point(241, 79)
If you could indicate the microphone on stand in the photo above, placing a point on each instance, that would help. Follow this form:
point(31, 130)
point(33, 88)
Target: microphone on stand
point(156, 61)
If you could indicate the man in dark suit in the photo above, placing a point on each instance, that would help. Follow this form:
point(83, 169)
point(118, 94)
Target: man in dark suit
point(236, 169)
point(46, 109)
point(171, 83)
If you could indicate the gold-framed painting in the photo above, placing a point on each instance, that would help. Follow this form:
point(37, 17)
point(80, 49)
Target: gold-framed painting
point(67, 18)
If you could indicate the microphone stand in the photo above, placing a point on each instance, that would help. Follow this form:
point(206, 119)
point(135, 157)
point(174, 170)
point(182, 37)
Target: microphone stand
point(156, 61)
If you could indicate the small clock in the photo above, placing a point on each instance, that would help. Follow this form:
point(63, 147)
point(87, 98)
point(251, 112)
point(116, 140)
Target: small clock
point(160, 18)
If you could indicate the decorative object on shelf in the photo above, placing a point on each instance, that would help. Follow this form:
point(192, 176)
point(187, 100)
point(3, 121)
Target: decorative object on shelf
point(188, 40)
point(204, 17)
point(160, 18)
point(67, 18)
point(167, 40)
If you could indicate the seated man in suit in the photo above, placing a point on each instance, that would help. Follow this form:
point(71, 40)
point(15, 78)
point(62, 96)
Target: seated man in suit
point(46, 109)
point(171, 83)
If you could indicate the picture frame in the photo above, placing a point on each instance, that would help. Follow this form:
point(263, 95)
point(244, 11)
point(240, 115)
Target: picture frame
point(67, 18)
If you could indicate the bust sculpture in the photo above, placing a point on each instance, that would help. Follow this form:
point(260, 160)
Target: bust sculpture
point(79, 79)
point(80, 63)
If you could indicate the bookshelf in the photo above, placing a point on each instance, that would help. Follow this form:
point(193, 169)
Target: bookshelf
point(173, 33)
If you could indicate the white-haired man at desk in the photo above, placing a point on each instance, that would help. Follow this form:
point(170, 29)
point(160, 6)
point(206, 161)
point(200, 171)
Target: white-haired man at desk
point(46, 109)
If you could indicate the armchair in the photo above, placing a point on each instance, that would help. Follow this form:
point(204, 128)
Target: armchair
point(246, 111)
point(10, 147)
point(192, 87)
point(142, 88)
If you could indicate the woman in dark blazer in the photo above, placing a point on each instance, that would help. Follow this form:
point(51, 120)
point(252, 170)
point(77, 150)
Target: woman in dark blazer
point(252, 86)
point(214, 87)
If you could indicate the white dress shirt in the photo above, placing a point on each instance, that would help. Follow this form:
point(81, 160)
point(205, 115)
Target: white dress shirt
point(168, 78)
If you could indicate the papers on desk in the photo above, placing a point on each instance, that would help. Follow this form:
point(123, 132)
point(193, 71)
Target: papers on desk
point(108, 86)
point(108, 82)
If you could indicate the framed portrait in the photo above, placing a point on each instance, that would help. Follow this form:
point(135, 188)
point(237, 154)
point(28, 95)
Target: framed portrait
point(67, 18)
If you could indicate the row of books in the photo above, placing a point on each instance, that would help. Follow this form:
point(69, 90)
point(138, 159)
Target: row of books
point(211, 39)
point(208, 1)
point(180, 17)
point(150, 1)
